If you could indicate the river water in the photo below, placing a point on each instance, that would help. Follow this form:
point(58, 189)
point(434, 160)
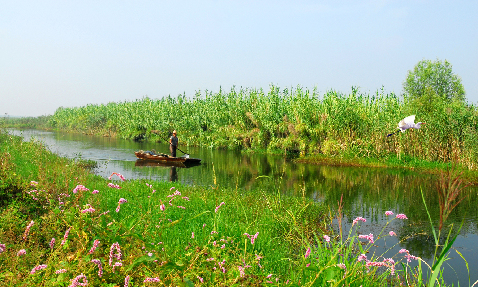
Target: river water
point(367, 192)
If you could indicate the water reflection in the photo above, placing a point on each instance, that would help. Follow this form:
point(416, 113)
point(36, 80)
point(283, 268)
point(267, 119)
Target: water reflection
point(367, 192)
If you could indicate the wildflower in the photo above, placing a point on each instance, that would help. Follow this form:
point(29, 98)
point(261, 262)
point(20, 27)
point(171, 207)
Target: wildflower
point(2, 248)
point(390, 263)
point(241, 271)
point(210, 259)
point(392, 233)
point(358, 219)
point(253, 238)
point(342, 266)
point(112, 185)
point(76, 281)
point(89, 209)
point(116, 256)
point(117, 264)
point(186, 198)
point(401, 216)
point(95, 245)
point(59, 271)
point(126, 281)
point(269, 276)
point(217, 208)
point(410, 257)
point(121, 201)
point(387, 213)
point(403, 250)
point(179, 206)
point(362, 257)
point(80, 188)
point(162, 207)
point(52, 243)
point(21, 252)
point(368, 237)
point(65, 237)
point(223, 246)
point(156, 279)
point(27, 230)
point(200, 279)
point(149, 185)
point(37, 268)
point(327, 238)
point(213, 232)
point(118, 174)
point(307, 253)
point(100, 266)
point(33, 183)
point(95, 191)
point(192, 235)
point(204, 225)
point(171, 188)
point(150, 254)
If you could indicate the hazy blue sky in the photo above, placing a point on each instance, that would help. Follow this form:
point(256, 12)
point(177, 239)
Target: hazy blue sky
point(73, 53)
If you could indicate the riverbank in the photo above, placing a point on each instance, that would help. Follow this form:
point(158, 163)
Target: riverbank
point(177, 234)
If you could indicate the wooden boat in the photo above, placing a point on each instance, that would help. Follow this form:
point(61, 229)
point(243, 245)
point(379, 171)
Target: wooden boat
point(164, 159)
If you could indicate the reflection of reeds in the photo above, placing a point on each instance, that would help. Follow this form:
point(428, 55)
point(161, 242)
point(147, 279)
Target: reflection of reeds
point(449, 187)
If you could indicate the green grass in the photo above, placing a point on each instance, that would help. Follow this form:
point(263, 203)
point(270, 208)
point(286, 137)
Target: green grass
point(156, 242)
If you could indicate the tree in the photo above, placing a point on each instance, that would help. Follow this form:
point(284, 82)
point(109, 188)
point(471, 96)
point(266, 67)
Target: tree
point(436, 78)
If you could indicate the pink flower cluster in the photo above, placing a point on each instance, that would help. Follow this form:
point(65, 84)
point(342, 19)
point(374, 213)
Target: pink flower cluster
point(52, 243)
point(386, 262)
point(21, 252)
point(368, 237)
point(121, 201)
point(217, 208)
point(307, 253)
point(327, 238)
point(401, 216)
point(65, 237)
point(100, 266)
point(113, 255)
point(95, 245)
point(252, 237)
point(117, 174)
point(2, 248)
point(148, 279)
point(407, 255)
point(37, 268)
point(112, 185)
point(27, 230)
point(356, 220)
point(89, 209)
point(80, 188)
point(76, 281)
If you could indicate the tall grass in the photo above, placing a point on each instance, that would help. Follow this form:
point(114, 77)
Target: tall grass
point(295, 120)
point(66, 225)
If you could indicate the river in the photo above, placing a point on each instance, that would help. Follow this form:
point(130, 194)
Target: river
point(367, 192)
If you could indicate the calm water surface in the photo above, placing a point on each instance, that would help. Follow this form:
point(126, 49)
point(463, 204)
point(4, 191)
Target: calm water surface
point(367, 192)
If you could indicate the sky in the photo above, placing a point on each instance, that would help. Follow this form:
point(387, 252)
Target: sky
point(74, 53)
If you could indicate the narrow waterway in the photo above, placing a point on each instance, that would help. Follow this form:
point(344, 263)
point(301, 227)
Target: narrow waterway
point(367, 192)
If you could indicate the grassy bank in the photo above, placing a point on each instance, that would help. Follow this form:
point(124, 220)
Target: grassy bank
point(59, 223)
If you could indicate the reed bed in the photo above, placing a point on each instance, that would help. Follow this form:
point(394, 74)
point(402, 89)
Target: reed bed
point(296, 120)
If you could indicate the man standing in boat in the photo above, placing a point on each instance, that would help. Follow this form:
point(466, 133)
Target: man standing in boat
point(173, 144)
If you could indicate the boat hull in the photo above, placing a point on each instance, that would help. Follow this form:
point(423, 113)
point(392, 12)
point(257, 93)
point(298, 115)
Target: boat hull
point(164, 160)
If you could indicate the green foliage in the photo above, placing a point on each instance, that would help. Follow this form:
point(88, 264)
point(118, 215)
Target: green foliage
point(433, 79)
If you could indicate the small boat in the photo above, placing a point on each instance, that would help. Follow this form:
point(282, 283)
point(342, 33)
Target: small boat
point(164, 159)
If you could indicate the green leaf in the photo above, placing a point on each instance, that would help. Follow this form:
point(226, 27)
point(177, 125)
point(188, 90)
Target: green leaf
point(188, 282)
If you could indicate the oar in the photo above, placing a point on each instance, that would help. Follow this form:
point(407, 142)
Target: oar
point(157, 132)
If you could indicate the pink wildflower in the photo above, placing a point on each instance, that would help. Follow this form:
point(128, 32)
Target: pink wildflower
point(390, 263)
point(100, 266)
point(126, 281)
point(200, 279)
point(403, 250)
point(80, 188)
point(368, 237)
point(95, 245)
point(117, 264)
point(387, 213)
point(112, 185)
point(60, 271)
point(21, 252)
point(33, 183)
point(179, 206)
point(221, 204)
point(401, 216)
point(362, 257)
point(52, 243)
point(327, 238)
point(192, 235)
point(88, 209)
point(95, 191)
point(186, 198)
point(253, 238)
point(342, 266)
point(117, 256)
point(307, 253)
point(37, 268)
point(358, 219)
point(241, 271)
point(27, 230)
point(162, 207)
point(2, 248)
point(65, 237)
point(148, 279)
point(392, 233)
point(76, 281)
point(118, 174)
point(122, 200)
